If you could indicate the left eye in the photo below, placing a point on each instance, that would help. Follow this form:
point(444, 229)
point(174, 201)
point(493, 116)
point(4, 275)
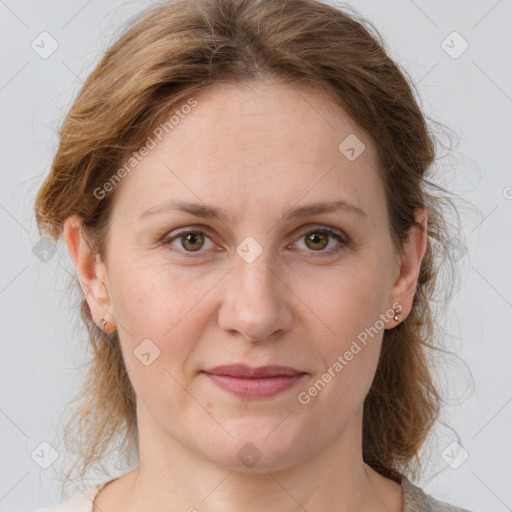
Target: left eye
point(318, 239)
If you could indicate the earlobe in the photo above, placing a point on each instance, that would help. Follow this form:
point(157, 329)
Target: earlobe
point(91, 271)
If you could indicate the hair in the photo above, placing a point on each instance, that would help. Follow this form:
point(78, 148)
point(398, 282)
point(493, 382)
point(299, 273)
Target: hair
point(178, 49)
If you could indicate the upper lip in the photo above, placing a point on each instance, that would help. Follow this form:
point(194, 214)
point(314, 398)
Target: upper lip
point(243, 370)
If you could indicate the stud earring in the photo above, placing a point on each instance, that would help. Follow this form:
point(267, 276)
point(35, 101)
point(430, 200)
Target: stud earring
point(103, 323)
point(397, 311)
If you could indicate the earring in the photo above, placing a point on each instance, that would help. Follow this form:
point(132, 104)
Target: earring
point(397, 312)
point(103, 323)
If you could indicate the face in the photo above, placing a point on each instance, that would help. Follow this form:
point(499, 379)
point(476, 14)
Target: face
point(251, 276)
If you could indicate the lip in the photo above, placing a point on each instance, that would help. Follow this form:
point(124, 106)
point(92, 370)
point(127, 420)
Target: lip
point(250, 382)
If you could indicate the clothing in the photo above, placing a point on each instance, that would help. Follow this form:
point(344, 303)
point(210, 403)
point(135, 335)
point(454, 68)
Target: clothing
point(414, 498)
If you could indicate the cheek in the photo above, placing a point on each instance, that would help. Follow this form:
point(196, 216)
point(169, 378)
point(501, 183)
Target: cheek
point(350, 299)
point(153, 295)
point(349, 357)
point(348, 338)
point(158, 328)
point(161, 311)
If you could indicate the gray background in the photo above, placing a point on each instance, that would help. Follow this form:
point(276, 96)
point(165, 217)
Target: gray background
point(472, 94)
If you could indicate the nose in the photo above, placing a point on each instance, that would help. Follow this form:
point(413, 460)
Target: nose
point(256, 303)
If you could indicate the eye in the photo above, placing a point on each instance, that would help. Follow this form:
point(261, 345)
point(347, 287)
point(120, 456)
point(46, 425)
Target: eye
point(190, 240)
point(316, 239)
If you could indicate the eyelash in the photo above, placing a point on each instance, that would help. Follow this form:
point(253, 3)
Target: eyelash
point(167, 241)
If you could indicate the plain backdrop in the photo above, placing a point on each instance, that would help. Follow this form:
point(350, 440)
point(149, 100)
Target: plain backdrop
point(458, 54)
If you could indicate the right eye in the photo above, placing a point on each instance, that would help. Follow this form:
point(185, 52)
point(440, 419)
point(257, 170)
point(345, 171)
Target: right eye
point(190, 240)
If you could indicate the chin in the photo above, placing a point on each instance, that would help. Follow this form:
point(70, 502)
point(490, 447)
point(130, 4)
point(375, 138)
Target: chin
point(256, 446)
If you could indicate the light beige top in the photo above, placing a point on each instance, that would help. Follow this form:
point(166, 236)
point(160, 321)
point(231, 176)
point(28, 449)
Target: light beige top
point(414, 498)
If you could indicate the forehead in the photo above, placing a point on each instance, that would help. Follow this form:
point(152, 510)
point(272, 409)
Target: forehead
point(255, 142)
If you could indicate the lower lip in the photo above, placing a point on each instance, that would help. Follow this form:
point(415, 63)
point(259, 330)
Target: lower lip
point(263, 387)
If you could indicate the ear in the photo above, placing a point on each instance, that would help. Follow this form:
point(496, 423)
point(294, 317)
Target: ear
point(409, 262)
point(91, 271)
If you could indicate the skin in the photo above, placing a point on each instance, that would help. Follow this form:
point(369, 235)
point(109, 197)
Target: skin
point(256, 150)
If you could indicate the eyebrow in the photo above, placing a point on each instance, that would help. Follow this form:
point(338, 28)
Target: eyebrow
point(210, 212)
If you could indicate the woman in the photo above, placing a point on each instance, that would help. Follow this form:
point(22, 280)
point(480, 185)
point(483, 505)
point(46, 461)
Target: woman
point(242, 187)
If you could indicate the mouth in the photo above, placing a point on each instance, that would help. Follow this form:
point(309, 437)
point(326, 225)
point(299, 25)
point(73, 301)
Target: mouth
point(249, 382)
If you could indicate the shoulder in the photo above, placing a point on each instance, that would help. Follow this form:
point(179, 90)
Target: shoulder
point(81, 502)
point(416, 500)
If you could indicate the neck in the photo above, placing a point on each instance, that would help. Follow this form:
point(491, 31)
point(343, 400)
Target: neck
point(334, 478)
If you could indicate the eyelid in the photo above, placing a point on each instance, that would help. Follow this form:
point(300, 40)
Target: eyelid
point(322, 227)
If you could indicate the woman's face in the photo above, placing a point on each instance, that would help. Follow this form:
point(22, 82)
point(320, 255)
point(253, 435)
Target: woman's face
point(270, 280)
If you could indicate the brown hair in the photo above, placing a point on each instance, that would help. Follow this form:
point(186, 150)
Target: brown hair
point(175, 51)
